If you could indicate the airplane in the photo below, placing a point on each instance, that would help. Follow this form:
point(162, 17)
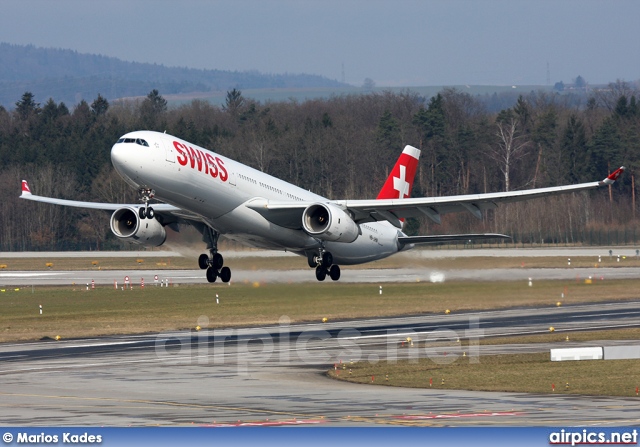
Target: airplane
point(220, 196)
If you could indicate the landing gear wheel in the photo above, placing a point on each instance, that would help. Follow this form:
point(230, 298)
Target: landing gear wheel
point(327, 259)
point(311, 260)
point(212, 275)
point(321, 273)
point(217, 261)
point(225, 274)
point(334, 272)
point(203, 261)
point(142, 212)
point(150, 213)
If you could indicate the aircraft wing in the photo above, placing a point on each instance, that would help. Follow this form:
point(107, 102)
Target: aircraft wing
point(289, 214)
point(433, 207)
point(158, 207)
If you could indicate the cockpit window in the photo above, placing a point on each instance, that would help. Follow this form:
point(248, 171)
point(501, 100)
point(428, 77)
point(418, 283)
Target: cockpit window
point(139, 141)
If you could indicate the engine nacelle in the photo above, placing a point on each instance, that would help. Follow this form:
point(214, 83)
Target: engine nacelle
point(127, 225)
point(329, 223)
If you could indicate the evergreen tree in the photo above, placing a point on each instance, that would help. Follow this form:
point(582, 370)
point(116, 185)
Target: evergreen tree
point(388, 133)
point(522, 109)
point(151, 110)
point(157, 102)
point(431, 121)
point(27, 107)
point(63, 110)
point(573, 150)
point(633, 107)
point(50, 111)
point(622, 108)
point(100, 105)
point(234, 102)
point(605, 151)
point(431, 125)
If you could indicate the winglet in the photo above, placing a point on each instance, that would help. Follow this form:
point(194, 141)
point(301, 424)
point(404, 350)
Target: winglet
point(25, 189)
point(610, 180)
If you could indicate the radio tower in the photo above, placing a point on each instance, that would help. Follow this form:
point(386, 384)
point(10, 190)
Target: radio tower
point(343, 79)
point(548, 74)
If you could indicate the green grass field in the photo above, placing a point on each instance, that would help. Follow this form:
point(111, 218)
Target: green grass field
point(75, 312)
point(295, 262)
point(519, 373)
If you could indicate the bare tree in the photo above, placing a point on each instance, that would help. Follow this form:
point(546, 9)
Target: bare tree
point(368, 85)
point(511, 145)
point(608, 97)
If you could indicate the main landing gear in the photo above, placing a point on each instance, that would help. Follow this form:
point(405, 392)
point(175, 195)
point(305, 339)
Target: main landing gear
point(146, 195)
point(324, 266)
point(213, 262)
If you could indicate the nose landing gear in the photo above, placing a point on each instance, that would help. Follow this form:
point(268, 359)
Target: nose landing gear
point(147, 212)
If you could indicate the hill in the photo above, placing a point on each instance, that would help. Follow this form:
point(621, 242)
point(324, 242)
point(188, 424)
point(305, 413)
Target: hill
point(69, 76)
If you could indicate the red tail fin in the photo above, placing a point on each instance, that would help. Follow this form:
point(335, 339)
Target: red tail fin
point(400, 181)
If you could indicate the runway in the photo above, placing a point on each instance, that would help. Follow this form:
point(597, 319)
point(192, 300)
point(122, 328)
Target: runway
point(366, 274)
point(275, 375)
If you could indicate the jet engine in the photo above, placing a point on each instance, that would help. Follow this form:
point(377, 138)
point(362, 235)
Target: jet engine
point(329, 223)
point(127, 225)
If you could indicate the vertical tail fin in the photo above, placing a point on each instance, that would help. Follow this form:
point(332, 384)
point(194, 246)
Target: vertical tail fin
point(400, 180)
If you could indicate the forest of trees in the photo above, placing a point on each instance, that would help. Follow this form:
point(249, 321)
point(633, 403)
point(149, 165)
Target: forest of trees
point(342, 147)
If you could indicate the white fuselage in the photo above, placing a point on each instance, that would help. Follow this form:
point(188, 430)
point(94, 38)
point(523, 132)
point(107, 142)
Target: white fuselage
point(215, 188)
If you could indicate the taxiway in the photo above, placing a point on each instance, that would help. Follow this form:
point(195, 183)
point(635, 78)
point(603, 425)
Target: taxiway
point(276, 375)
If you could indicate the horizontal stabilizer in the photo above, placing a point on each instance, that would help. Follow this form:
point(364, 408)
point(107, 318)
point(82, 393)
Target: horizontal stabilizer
point(435, 239)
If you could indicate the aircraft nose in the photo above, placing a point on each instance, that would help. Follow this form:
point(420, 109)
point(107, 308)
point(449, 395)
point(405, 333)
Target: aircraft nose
point(121, 160)
point(118, 155)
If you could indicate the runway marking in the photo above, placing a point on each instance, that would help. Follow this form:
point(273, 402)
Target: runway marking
point(389, 420)
point(398, 334)
point(619, 423)
point(27, 275)
point(427, 420)
point(115, 343)
point(459, 415)
point(268, 423)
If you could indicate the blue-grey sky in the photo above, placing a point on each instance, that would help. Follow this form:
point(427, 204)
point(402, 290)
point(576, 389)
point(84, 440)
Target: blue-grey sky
point(393, 42)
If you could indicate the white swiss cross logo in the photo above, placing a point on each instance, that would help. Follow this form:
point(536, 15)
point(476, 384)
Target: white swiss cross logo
point(400, 184)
